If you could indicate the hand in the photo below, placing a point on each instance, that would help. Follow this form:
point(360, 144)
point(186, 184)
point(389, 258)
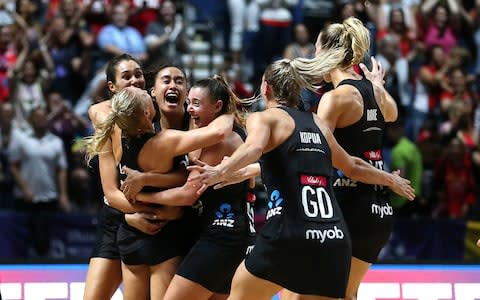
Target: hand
point(208, 175)
point(164, 213)
point(64, 203)
point(28, 195)
point(478, 243)
point(377, 73)
point(139, 222)
point(133, 184)
point(401, 186)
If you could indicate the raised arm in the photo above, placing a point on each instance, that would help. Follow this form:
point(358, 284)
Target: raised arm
point(385, 101)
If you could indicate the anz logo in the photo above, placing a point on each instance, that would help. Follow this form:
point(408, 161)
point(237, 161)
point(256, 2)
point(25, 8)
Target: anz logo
point(342, 180)
point(225, 217)
point(274, 204)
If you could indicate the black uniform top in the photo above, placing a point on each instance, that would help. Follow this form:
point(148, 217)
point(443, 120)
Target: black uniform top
point(225, 209)
point(297, 176)
point(362, 139)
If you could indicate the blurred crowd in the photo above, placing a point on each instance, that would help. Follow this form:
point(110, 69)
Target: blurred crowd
point(53, 55)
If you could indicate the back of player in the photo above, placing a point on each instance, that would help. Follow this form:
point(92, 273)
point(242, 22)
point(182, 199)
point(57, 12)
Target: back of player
point(136, 247)
point(304, 232)
point(366, 208)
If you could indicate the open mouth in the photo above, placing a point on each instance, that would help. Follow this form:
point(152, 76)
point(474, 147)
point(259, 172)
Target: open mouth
point(171, 98)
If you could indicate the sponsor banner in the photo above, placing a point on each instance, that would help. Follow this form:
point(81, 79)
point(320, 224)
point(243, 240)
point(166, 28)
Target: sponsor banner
point(424, 282)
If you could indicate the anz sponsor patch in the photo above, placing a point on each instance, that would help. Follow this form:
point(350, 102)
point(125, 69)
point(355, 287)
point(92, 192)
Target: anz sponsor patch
point(274, 204)
point(225, 217)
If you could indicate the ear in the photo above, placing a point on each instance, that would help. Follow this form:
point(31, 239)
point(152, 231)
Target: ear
point(111, 87)
point(152, 91)
point(218, 106)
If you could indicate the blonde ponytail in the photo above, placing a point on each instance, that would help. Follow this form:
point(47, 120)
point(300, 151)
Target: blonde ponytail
point(127, 107)
point(360, 37)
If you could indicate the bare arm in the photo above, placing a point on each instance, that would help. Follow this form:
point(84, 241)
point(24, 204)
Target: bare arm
point(185, 195)
point(248, 172)
point(182, 142)
point(259, 133)
point(360, 170)
point(387, 104)
point(136, 180)
point(22, 184)
point(428, 5)
point(62, 189)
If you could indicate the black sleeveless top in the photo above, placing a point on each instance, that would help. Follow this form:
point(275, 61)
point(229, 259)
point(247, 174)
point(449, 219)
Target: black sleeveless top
point(225, 209)
point(362, 139)
point(297, 176)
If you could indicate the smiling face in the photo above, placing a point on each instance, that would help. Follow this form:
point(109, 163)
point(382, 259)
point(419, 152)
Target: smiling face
point(201, 107)
point(127, 73)
point(170, 90)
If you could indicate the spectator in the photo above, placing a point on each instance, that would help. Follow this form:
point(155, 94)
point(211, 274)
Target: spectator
point(6, 131)
point(66, 50)
point(454, 182)
point(428, 142)
point(317, 14)
point(96, 13)
point(27, 10)
point(428, 82)
point(236, 9)
point(165, 37)
point(9, 50)
point(457, 89)
point(406, 158)
point(406, 35)
point(396, 72)
point(117, 37)
point(38, 165)
point(302, 47)
point(142, 13)
point(29, 84)
point(64, 123)
point(274, 34)
point(439, 24)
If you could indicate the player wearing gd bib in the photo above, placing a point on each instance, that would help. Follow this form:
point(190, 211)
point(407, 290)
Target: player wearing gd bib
point(305, 232)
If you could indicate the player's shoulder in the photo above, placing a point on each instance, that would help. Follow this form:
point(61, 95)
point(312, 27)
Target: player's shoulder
point(99, 111)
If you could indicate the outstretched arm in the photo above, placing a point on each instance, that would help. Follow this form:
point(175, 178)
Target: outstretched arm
point(259, 131)
point(362, 171)
point(182, 142)
point(136, 180)
point(185, 195)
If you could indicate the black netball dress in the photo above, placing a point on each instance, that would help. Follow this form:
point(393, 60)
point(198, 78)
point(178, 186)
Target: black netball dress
point(109, 219)
point(304, 245)
point(175, 238)
point(366, 208)
point(227, 232)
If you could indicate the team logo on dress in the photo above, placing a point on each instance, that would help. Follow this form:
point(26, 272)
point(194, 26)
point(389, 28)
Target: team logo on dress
point(382, 210)
point(313, 180)
point(342, 180)
point(274, 204)
point(373, 154)
point(224, 216)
